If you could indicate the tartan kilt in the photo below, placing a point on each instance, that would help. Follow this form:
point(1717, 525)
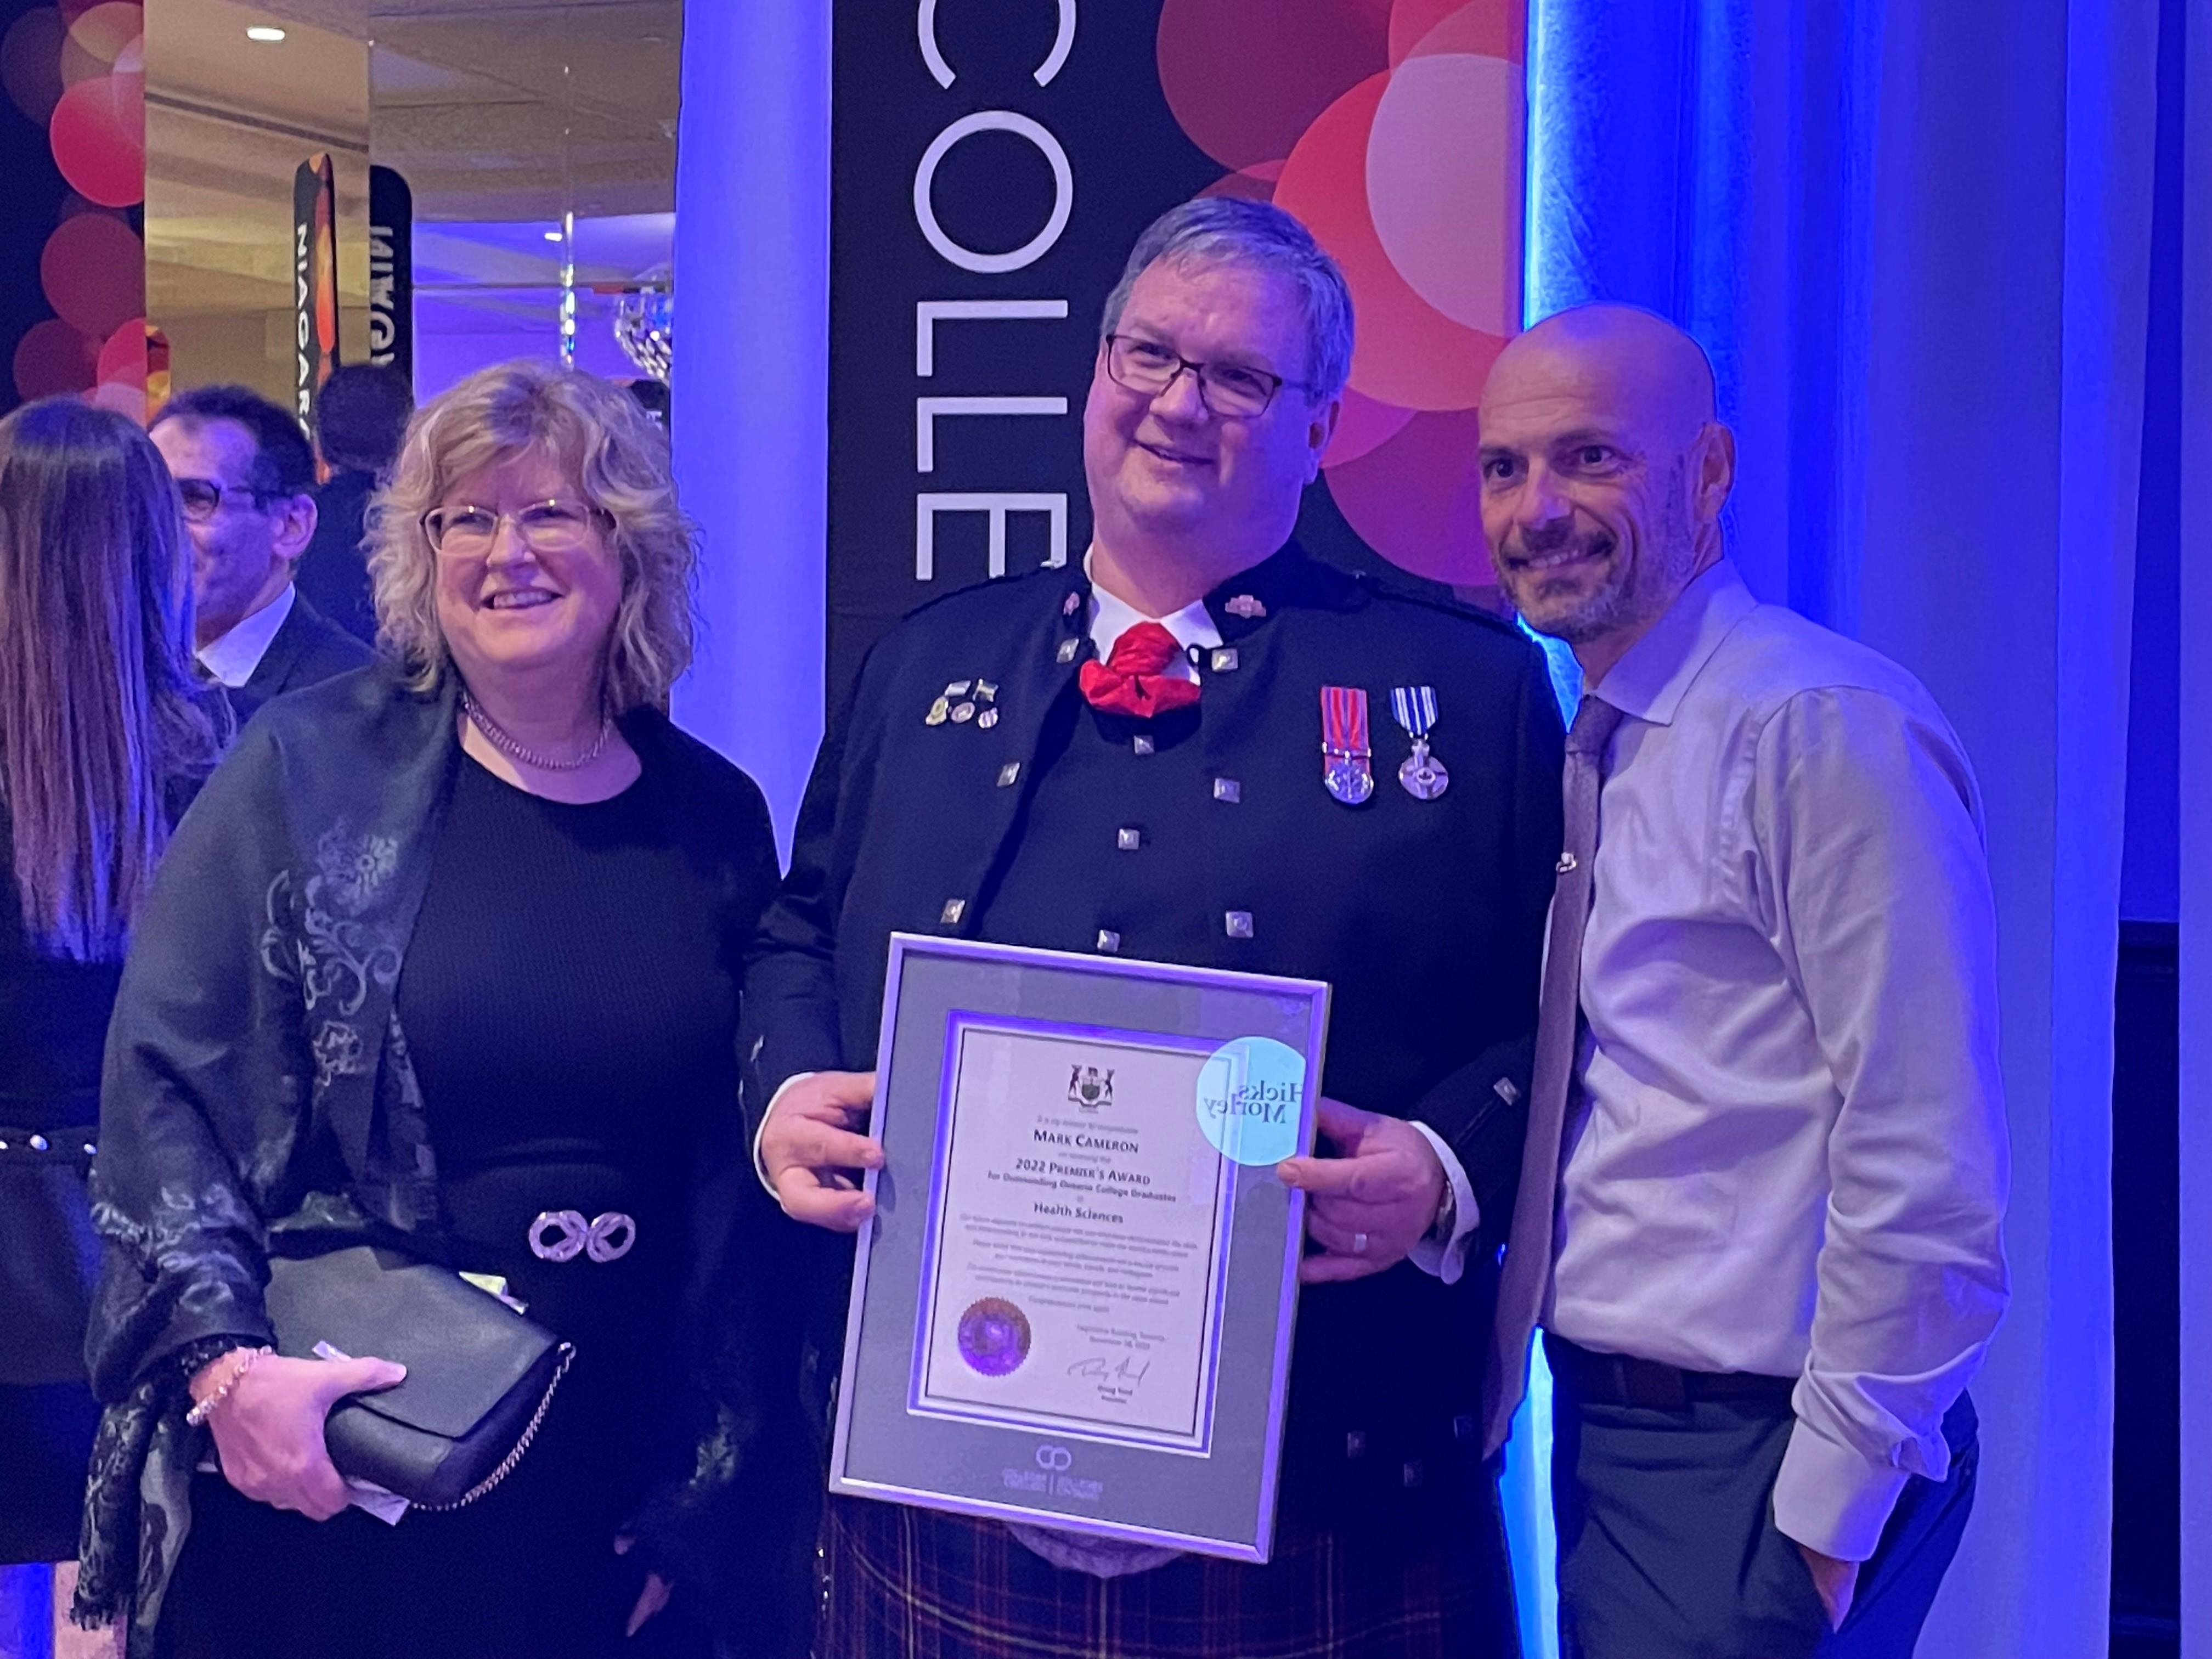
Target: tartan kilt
point(909, 1583)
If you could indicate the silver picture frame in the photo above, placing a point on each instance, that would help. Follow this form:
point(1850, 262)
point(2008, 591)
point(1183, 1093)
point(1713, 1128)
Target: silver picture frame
point(983, 1430)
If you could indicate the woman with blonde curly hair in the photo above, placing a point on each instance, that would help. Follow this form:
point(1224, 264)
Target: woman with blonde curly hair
point(447, 959)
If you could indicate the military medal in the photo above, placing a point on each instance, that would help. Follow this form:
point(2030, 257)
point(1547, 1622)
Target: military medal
point(1346, 760)
point(940, 712)
point(1423, 773)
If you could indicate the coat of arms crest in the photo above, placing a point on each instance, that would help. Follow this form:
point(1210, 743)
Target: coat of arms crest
point(1089, 1088)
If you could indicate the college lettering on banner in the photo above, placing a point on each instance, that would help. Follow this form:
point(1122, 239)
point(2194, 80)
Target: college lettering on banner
point(991, 165)
point(391, 271)
point(314, 285)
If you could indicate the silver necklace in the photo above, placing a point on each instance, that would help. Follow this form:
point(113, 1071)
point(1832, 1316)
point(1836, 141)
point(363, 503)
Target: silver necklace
point(500, 739)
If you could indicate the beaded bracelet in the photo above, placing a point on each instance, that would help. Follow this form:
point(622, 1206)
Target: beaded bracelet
point(203, 1409)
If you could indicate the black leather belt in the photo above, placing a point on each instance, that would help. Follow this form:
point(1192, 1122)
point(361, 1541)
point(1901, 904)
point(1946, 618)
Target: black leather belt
point(1620, 1379)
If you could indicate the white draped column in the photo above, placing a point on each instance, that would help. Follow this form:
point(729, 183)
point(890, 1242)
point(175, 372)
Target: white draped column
point(750, 383)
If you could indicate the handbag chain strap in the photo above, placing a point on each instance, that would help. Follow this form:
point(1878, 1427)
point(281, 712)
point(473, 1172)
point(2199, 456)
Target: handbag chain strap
point(530, 1433)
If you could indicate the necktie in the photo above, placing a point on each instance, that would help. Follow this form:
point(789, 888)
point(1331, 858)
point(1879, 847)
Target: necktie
point(1129, 681)
point(1529, 1247)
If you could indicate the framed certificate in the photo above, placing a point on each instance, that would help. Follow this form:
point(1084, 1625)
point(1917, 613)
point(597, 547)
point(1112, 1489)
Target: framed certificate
point(1074, 1305)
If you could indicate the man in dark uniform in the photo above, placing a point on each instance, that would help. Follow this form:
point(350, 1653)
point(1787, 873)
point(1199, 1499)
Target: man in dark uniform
point(247, 479)
point(1206, 747)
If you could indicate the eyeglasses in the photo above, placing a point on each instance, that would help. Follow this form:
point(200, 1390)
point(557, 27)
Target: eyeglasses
point(554, 527)
point(1237, 391)
point(203, 497)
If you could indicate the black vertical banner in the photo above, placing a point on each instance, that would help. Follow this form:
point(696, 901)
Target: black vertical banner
point(991, 165)
point(991, 168)
point(391, 271)
point(314, 285)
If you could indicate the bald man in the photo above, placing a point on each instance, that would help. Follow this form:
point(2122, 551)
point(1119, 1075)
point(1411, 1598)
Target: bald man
point(1758, 1212)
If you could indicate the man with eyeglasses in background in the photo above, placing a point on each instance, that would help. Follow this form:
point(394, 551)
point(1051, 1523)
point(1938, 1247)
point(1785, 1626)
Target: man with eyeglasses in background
point(1206, 747)
point(247, 479)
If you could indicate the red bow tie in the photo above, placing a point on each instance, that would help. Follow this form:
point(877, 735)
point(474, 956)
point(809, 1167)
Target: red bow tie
point(1129, 681)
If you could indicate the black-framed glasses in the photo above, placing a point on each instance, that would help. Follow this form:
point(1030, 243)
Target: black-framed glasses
point(203, 497)
point(467, 531)
point(1237, 391)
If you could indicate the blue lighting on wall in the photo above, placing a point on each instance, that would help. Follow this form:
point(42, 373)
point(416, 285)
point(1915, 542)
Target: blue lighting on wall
point(1525, 1485)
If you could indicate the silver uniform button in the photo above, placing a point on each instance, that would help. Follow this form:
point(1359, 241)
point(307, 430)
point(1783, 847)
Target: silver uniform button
point(1228, 789)
point(1068, 648)
point(1108, 941)
point(39, 1143)
point(1143, 745)
point(1009, 774)
point(1129, 841)
point(1239, 924)
point(953, 910)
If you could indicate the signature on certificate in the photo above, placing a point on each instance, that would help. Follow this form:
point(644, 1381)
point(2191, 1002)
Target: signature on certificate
point(1126, 1371)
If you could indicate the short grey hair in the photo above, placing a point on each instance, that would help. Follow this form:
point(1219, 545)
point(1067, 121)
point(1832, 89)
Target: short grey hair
point(1235, 228)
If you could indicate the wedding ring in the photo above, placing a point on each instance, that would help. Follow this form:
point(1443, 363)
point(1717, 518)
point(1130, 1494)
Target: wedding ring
point(1360, 1243)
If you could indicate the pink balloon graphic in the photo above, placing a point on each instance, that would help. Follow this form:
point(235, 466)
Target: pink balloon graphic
point(99, 137)
point(94, 271)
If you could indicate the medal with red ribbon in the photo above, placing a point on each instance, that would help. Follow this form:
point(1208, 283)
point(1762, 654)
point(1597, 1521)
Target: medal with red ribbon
point(1347, 759)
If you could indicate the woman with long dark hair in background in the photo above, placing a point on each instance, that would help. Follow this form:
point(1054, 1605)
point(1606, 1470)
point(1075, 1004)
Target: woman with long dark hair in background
point(104, 733)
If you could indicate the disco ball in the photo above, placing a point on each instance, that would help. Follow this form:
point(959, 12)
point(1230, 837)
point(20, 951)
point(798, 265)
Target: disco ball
point(644, 328)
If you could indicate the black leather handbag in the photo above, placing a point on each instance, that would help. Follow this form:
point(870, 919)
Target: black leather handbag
point(480, 1376)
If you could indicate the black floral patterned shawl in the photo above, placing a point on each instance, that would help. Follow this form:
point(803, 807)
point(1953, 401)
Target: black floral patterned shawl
point(258, 1087)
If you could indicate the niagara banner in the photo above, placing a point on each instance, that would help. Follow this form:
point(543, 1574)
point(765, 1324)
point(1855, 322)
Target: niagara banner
point(314, 286)
point(992, 164)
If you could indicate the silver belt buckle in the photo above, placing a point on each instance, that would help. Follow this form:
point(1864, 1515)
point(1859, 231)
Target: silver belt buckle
point(564, 1235)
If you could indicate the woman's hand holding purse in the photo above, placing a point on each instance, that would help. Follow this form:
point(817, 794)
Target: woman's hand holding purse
point(267, 1426)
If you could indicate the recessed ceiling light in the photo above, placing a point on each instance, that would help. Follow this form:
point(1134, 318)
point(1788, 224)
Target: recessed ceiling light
point(264, 32)
point(552, 236)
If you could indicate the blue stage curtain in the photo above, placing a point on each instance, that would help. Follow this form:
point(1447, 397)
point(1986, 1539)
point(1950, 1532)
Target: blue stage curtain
point(1915, 236)
point(2194, 1174)
point(750, 380)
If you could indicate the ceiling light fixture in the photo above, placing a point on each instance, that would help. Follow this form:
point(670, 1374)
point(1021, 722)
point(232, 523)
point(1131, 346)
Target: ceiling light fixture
point(552, 236)
point(264, 32)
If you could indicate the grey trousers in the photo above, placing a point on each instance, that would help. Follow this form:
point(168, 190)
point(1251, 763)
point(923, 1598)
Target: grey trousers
point(1668, 1550)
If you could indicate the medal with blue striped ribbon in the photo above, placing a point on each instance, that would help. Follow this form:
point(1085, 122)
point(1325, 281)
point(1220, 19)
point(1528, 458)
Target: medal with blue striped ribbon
point(1422, 774)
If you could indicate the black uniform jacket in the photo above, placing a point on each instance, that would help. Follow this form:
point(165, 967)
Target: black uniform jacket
point(1426, 917)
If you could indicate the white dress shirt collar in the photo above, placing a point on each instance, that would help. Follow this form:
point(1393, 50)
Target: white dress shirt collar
point(1111, 617)
point(1653, 674)
point(233, 657)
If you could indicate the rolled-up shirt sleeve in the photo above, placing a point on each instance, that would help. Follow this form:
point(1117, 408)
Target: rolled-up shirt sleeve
point(1864, 825)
